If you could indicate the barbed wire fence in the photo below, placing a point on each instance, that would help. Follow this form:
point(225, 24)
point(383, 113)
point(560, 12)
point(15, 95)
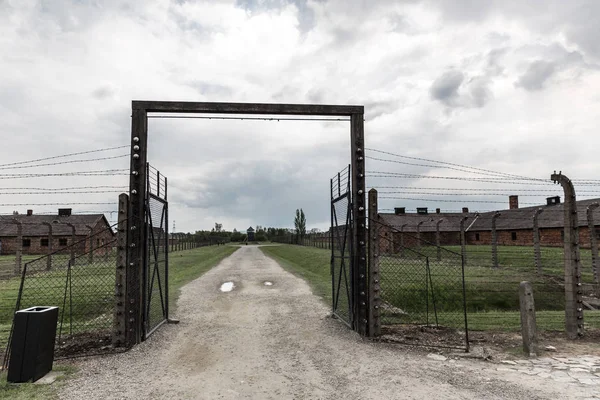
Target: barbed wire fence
point(58, 218)
point(508, 228)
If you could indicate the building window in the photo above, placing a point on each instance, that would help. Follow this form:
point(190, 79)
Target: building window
point(62, 242)
point(562, 235)
point(44, 242)
point(477, 237)
point(26, 242)
point(513, 235)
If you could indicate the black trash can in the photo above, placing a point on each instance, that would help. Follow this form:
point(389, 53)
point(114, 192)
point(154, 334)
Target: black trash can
point(32, 345)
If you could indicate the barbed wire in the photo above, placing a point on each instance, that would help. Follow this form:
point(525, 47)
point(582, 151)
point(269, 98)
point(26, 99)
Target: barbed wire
point(64, 155)
point(482, 170)
point(66, 188)
point(53, 204)
point(107, 172)
point(65, 162)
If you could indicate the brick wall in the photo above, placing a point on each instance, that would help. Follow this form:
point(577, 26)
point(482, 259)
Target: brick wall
point(102, 236)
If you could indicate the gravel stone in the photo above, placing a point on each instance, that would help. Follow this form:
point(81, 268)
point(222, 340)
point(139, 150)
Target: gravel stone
point(280, 342)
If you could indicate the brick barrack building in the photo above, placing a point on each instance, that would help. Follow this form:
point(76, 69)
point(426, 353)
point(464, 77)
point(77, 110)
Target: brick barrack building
point(514, 226)
point(92, 231)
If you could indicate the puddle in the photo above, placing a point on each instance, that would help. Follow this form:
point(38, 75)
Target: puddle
point(267, 283)
point(227, 287)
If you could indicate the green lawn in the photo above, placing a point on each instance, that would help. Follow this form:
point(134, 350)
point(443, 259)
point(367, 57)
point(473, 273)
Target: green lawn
point(94, 300)
point(7, 264)
point(416, 292)
point(309, 263)
point(185, 266)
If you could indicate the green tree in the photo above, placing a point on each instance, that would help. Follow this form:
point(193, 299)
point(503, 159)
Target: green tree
point(300, 224)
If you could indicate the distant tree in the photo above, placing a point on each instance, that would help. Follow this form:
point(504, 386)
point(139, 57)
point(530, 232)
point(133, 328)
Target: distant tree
point(218, 227)
point(300, 223)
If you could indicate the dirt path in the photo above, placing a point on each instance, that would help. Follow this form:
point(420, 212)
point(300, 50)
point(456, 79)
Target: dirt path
point(278, 342)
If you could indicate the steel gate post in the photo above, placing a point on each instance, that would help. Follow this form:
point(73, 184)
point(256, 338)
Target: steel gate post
point(359, 213)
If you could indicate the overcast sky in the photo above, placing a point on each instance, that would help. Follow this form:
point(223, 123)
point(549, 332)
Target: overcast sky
point(511, 86)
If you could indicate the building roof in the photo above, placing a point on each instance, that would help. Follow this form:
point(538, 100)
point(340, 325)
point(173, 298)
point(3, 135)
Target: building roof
point(552, 216)
point(450, 221)
point(32, 225)
point(250, 230)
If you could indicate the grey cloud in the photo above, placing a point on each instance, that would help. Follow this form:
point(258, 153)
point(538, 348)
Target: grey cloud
point(454, 90)
point(479, 91)
point(577, 20)
point(315, 95)
point(374, 109)
point(306, 15)
point(536, 75)
point(104, 91)
point(445, 88)
point(207, 88)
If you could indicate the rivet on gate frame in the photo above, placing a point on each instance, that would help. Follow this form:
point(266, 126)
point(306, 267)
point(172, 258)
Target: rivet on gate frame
point(136, 139)
point(136, 156)
point(136, 148)
point(135, 173)
point(134, 191)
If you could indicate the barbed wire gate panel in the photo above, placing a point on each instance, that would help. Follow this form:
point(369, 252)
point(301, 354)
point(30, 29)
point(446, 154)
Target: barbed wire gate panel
point(341, 248)
point(156, 261)
point(138, 206)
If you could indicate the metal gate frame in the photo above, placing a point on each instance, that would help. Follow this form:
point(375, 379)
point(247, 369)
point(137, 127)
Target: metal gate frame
point(152, 277)
point(338, 246)
point(138, 180)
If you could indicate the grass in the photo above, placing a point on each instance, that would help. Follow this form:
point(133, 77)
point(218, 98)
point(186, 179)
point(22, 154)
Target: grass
point(92, 288)
point(309, 263)
point(184, 266)
point(30, 391)
point(7, 264)
point(491, 294)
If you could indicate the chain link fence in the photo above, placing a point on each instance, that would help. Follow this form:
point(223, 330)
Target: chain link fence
point(422, 292)
point(82, 286)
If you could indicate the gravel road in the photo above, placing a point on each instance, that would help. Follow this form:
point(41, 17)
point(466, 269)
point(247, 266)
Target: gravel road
point(279, 342)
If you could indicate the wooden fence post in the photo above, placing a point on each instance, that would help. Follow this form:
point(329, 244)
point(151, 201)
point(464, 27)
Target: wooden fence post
point(528, 324)
point(374, 289)
point(463, 240)
point(536, 241)
point(495, 241)
point(401, 240)
point(419, 233)
point(120, 313)
point(70, 225)
point(19, 251)
point(50, 240)
point(438, 240)
point(91, 253)
point(573, 300)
